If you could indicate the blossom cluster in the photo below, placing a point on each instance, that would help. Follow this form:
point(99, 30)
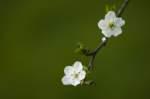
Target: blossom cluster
point(110, 26)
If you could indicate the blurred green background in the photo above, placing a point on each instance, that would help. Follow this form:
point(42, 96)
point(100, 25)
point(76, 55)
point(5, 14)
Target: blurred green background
point(38, 38)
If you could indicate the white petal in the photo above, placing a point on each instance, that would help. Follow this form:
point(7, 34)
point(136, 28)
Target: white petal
point(110, 15)
point(68, 70)
point(117, 31)
point(107, 33)
point(75, 82)
point(66, 80)
point(82, 75)
point(77, 66)
point(119, 22)
point(102, 24)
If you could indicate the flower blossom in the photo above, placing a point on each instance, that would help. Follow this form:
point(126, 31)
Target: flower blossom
point(74, 75)
point(111, 25)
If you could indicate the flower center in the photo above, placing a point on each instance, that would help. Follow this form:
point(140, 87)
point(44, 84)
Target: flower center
point(111, 25)
point(75, 75)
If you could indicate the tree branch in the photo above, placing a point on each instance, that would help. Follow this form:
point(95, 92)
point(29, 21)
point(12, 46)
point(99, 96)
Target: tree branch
point(103, 43)
point(122, 8)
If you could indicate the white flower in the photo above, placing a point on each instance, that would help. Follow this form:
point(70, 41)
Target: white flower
point(74, 74)
point(111, 25)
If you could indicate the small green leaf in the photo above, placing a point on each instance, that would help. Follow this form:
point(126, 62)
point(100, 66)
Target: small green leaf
point(80, 45)
point(81, 49)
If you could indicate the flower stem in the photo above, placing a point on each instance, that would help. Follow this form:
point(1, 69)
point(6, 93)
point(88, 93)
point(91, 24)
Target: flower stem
point(102, 44)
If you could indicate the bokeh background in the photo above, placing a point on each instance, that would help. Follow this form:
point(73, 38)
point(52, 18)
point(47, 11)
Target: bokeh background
point(38, 38)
